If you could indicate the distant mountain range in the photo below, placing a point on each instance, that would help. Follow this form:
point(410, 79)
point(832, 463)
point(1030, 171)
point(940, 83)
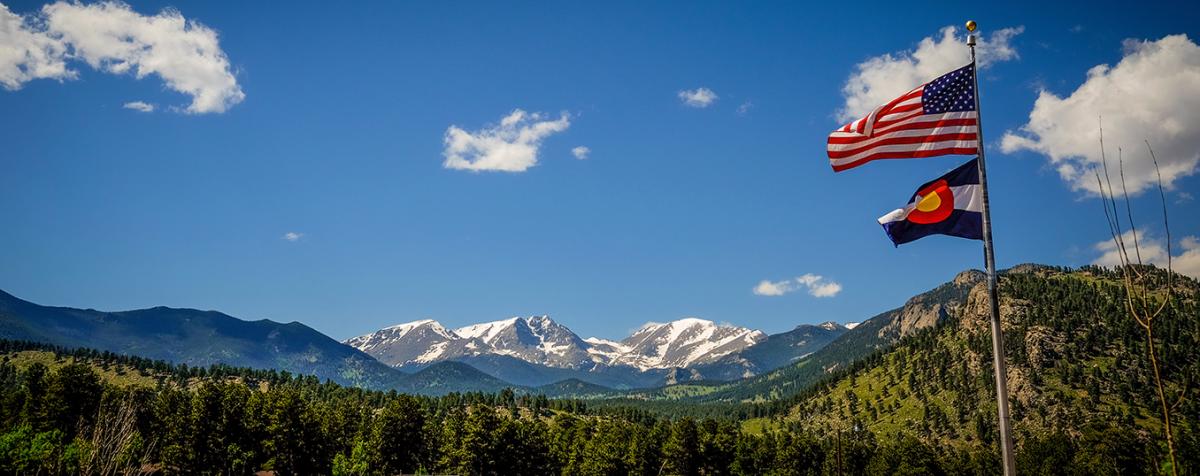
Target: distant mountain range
point(424, 356)
point(536, 351)
point(204, 338)
point(195, 338)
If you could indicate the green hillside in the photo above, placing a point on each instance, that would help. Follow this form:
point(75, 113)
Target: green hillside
point(1078, 374)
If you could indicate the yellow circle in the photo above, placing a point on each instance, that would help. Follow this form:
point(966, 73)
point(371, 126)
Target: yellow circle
point(971, 25)
point(929, 202)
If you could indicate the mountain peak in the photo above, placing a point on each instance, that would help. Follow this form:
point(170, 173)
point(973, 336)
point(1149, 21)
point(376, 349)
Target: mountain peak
point(970, 276)
point(692, 321)
point(488, 330)
point(682, 323)
point(400, 330)
point(829, 326)
point(684, 342)
point(406, 326)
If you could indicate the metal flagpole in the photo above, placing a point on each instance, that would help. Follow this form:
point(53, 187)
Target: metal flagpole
point(1006, 446)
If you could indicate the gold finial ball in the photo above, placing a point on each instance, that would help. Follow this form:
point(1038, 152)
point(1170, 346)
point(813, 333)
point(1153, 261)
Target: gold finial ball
point(971, 25)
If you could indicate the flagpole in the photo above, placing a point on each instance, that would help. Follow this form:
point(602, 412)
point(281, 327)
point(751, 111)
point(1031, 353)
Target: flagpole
point(1006, 445)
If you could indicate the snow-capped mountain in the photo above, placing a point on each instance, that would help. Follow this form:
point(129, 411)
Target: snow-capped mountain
point(776, 351)
point(535, 339)
point(682, 343)
point(529, 350)
point(540, 340)
point(421, 341)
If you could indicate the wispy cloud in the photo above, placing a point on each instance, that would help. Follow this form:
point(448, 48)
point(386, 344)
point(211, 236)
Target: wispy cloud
point(111, 37)
point(883, 78)
point(699, 97)
point(1152, 94)
point(816, 285)
point(293, 236)
point(510, 146)
point(139, 106)
point(581, 152)
point(745, 108)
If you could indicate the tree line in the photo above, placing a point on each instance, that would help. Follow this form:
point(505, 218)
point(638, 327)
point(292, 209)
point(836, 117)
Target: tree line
point(66, 419)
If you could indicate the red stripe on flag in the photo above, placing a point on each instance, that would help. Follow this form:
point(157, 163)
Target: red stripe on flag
point(920, 154)
point(839, 154)
point(883, 127)
point(946, 123)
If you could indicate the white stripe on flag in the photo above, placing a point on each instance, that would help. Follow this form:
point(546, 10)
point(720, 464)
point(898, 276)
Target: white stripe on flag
point(968, 197)
point(922, 118)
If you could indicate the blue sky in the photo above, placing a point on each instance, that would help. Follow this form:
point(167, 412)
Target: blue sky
point(677, 211)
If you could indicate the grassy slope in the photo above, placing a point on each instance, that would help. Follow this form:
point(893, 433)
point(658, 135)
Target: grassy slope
point(116, 374)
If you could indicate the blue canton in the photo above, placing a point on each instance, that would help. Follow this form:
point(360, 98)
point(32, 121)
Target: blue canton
point(953, 92)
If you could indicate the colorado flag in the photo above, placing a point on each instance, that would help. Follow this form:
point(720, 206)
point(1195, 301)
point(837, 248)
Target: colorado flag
point(949, 205)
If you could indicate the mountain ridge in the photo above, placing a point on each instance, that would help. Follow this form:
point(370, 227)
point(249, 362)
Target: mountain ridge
point(196, 338)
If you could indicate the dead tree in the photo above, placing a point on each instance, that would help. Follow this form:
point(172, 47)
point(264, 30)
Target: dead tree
point(1137, 278)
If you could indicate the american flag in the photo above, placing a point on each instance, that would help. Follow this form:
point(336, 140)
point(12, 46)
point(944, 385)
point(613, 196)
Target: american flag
point(937, 118)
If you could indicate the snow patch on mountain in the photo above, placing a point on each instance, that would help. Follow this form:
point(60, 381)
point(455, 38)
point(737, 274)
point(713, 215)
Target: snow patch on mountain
point(683, 343)
point(538, 339)
point(486, 331)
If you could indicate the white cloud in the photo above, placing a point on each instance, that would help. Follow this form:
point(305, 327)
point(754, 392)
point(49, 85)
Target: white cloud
point(1152, 94)
point(27, 53)
point(1188, 263)
point(699, 97)
point(1153, 251)
point(774, 288)
point(883, 78)
point(817, 286)
point(744, 108)
point(293, 236)
point(511, 146)
point(111, 37)
point(581, 152)
point(139, 106)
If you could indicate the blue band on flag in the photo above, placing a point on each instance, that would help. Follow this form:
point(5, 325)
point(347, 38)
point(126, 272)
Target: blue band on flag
point(962, 223)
